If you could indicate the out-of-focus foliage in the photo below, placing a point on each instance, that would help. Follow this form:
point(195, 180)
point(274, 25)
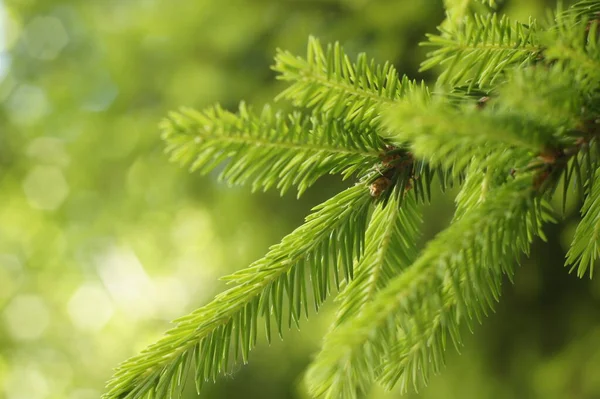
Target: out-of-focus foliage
point(102, 241)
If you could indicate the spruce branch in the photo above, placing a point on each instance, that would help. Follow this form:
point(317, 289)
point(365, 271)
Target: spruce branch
point(452, 136)
point(577, 164)
point(478, 51)
point(213, 336)
point(585, 248)
point(576, 46)
point(327, 81)
point(475, 189)
point(581, 11)
point(457, 10)
point(270, 149)
point(456, 279)
point(550, 95)
point(398, 168)
point(522, 113)
point(391, 246)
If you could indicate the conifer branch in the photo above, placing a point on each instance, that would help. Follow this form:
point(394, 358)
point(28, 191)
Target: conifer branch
point(457, 10)
point(452, 136)
point(582, 10)
point(478, 51)
point(474, 190)
point(576, 46)
point(270, 149)
point(328, 82)
point(456, 279)
point(551, 96)
point(213, 336)
point(508, 144)
point(585, 248)
point(391, 246)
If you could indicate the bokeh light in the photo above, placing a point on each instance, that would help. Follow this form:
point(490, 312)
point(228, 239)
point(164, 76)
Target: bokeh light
point(90, 308)
point(45, 187)
point(45, 37)
point(127, 282)
point(27, 104)
point(26, 317)
point(11, 276)
point(26, 382)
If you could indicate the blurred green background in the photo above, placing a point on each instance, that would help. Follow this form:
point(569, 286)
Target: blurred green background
point(103, 241)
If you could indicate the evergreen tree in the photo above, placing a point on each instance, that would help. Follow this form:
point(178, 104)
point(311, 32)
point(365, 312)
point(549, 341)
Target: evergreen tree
point(514, 116)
